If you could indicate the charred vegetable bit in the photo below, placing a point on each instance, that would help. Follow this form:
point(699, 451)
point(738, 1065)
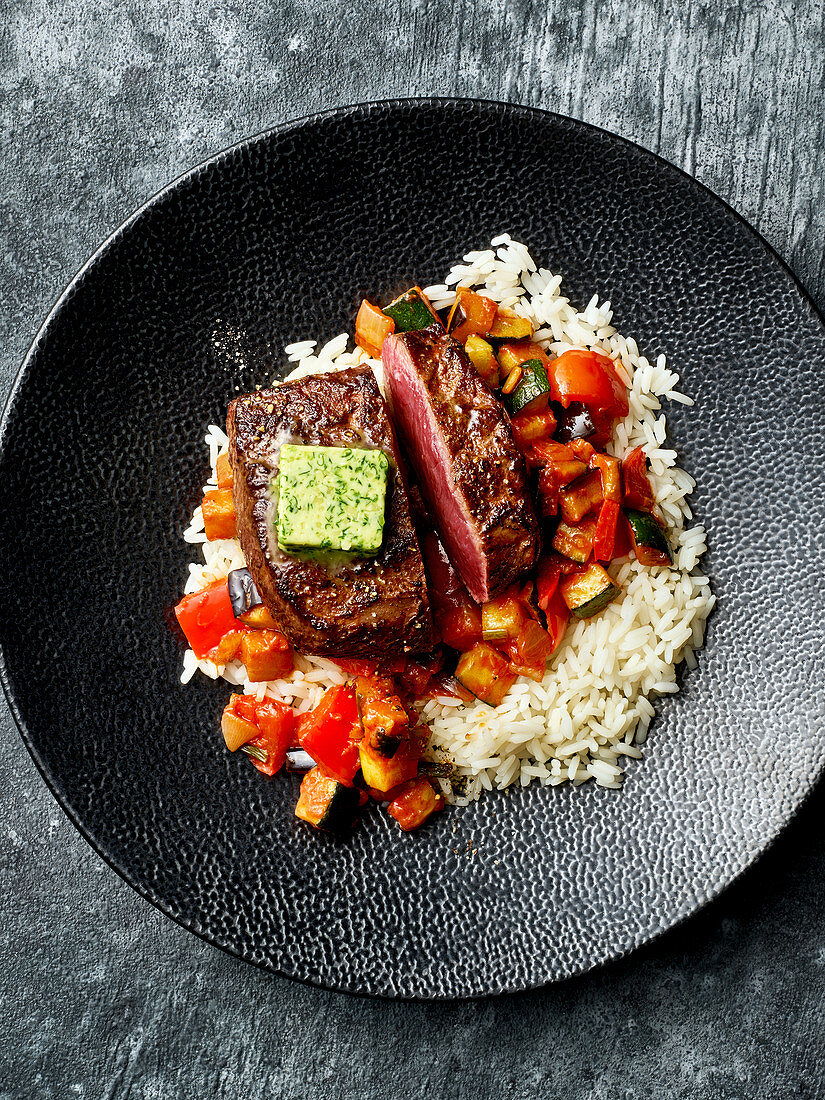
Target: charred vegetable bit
point(588, 593)
point(326, 803)
point(649, 541)
point(243, 592)
point(384, 721)
point(412, 311)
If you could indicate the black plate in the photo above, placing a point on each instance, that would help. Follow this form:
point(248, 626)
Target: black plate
point(192, 301)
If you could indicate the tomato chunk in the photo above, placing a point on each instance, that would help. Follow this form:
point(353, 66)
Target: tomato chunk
point(276, 722)
point(416, 801)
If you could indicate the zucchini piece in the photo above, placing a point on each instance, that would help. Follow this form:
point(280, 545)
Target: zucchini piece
point(575, 541)
point(649, 539)
point(412, 311)
point(533, 390)
point(509, 326)
point(501, 618)
point(589, 592)
point(383, 774)
point(486, 673)
point(326, 803)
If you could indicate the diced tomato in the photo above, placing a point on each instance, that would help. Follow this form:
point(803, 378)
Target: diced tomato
point(532, 648)
point(460, 628)
point(245, 705)
point(591, 378)
point(527, 428)
point(604, 540)
point(219, 514)
point(548, 492)
point(638, 492)
point(550, 571)
point(223, 469)
point(472, 315)
point(372, 327)
point(205, 617)
point(276, 722)
point(582, 450)
point(331, 733)
point(267, 655)
point(416, 801)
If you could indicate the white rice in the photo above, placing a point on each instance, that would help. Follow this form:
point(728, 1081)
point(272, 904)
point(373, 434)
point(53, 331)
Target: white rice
point(593, 706)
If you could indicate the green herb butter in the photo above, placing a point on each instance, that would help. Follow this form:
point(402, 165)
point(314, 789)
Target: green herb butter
point(331, 498)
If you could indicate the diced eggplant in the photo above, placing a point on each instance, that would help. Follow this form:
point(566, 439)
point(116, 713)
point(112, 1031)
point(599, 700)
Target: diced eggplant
point(574, 422)
point(501, 618)
point(581, 496)
point(383, 774)
point(298, 760)
point(649, 540)
point(532, 391)
point(575, 540)
point(243, 592)
point(326, 803)
point(412, 311)
point(589, 592)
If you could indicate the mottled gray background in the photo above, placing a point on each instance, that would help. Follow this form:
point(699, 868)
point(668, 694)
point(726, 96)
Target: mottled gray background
point(104, 102)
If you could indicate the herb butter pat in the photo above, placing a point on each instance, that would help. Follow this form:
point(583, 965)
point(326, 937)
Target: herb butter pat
point(331, 498)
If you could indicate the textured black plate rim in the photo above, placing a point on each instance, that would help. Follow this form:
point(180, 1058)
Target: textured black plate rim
point(344, 111)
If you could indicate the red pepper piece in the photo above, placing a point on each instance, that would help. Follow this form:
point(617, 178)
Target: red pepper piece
point(277, 722)
point(638, 492)
point(604, 541)
point(331, 733)
point(206, 616)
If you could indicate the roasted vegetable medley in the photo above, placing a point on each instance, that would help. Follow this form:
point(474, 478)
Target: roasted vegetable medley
point(364, 740)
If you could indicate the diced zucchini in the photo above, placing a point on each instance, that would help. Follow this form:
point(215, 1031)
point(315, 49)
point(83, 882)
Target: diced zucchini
point(412, 311)
point(481, 355)
point(589, 592)
point(486, 673)
point(383, 774)
point(509, 326)
point(331, 498)
point(532, 391)
point(326, 803)
point(501, 618)
point(575, 540)
point(581, 496)
point(649, 539)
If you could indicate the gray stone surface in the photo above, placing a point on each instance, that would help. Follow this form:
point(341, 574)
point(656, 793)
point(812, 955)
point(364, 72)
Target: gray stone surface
point(104, 102)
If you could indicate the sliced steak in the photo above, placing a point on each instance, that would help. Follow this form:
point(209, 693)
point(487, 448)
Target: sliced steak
point(340, 605)
point(458, 439)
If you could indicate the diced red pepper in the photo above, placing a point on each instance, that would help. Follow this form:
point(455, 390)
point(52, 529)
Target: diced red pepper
point(624, 539)
point(372, 327)
point(582, 449)
point(638, 492)
point(547, 491)
point(205, 617)
point(604, 540)
point(331, 733)
point(276, 722)
point(219, 514)
point(589, 377)
point(557, 615)
point(415, 802)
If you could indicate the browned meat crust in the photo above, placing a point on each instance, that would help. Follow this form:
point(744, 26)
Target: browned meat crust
point(349, 607)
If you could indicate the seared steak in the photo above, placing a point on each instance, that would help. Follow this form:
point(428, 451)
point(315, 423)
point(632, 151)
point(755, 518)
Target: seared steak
point(342, 605)
point(458, 439)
